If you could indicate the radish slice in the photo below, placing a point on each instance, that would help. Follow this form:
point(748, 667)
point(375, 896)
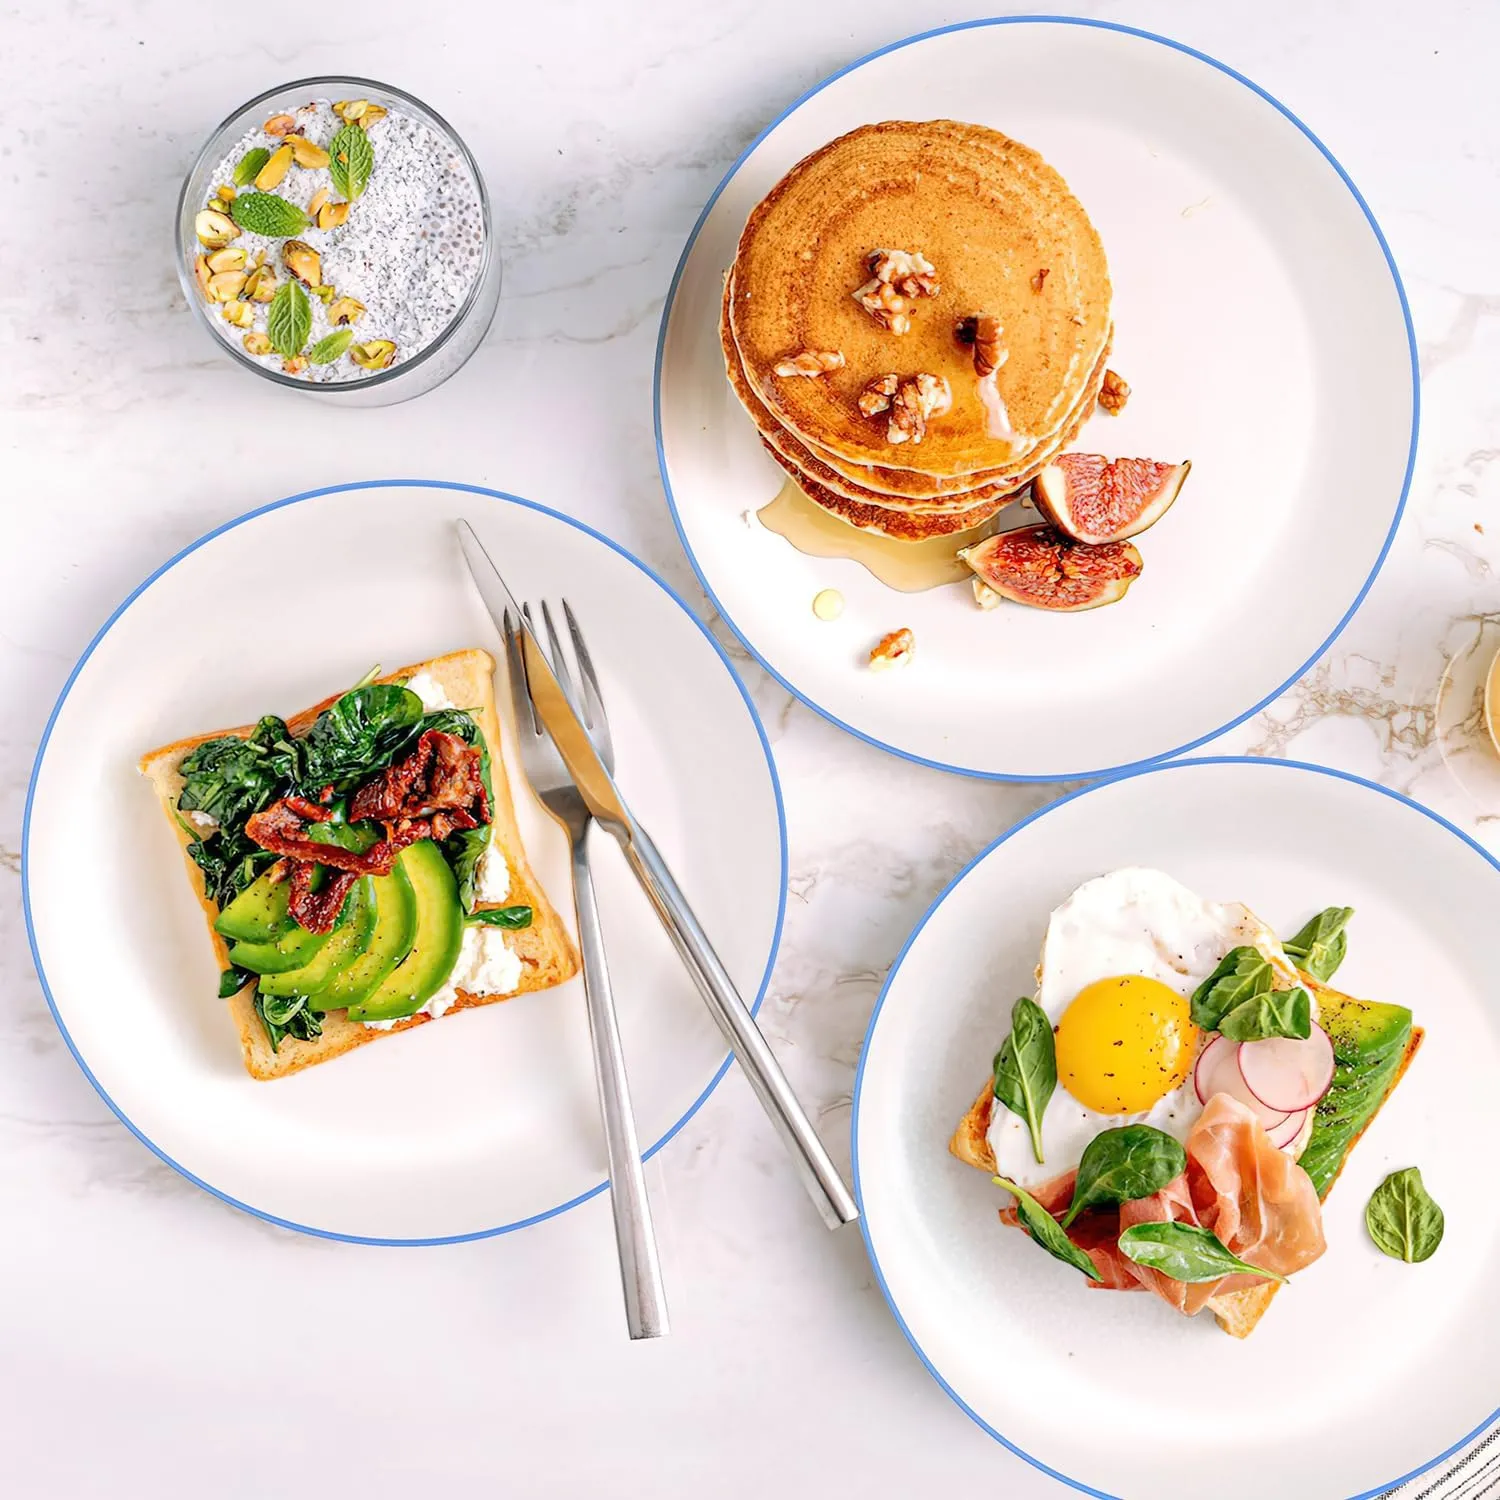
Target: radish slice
point(1281, 1136)
point(1218, 1072)
point(1286, 1073)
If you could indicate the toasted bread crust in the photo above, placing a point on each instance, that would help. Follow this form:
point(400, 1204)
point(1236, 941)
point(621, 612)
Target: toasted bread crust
point(545, 949)
point(1237, 1313)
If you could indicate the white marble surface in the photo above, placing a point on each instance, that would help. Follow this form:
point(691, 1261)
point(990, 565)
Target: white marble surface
point(153, 1341)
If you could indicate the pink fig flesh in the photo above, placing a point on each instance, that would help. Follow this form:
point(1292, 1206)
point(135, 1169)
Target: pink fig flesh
point(1096, 499)
point(1042, 568)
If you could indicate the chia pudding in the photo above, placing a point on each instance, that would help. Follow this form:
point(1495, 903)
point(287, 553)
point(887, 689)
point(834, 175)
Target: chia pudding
point(337, 239)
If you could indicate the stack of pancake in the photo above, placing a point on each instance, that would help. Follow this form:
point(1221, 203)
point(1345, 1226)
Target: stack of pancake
point(877, 257)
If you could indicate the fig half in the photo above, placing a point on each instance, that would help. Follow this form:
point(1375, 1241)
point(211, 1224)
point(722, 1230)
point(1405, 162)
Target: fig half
point(1096, 499)
point(1040, 567)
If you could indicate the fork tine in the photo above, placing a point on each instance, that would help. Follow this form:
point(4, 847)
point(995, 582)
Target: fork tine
point(515, 664)
point(560, 663)
point(593, 698)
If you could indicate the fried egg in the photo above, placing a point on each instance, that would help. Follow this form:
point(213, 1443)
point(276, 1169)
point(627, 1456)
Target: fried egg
point(1122, 957)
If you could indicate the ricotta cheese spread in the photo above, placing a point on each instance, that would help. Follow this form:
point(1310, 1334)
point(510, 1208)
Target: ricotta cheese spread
point(486, 965)
point(430, 691)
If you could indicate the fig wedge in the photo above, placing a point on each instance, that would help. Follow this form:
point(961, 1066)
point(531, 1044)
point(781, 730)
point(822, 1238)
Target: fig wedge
point(1040, 567)
point(1096, 499)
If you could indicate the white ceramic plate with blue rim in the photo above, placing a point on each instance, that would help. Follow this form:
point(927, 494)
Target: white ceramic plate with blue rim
point(1364, 1370)
point(1262, 326)
point(488, 1120)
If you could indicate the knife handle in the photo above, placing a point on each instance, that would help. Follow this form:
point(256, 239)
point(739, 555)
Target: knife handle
point(820, 1176)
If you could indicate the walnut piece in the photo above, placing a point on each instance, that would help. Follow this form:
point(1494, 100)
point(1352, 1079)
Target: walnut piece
point(810, 362)
point(917, 398)
point(876, 397)
point(1039, 279)
point(1113, 394)
point(897, 277)
point(893, 650)
point(983, 332)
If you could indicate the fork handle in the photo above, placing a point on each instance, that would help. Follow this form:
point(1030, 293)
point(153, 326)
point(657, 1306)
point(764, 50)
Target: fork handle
point(640, 1266)
point(758, 1062)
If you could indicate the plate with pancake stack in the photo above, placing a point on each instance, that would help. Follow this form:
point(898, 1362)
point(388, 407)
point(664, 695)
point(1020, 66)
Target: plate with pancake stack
point(1009, 427)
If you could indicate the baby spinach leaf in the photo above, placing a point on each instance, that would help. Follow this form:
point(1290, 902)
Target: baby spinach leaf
point(1026, 1067)
point(287, 1016)
point(1402, 1217)
point(359, 734)
point(1119, 1165)
point(1047, 1232)
point(231, 777)
point(1242, 974)
point(512, 918)
point(1275, 1013)
point(232, 981)
point(1320, 947)
point(1184, 1252)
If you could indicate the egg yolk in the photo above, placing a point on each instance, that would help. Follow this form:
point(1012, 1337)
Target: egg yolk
point(1125, 1043)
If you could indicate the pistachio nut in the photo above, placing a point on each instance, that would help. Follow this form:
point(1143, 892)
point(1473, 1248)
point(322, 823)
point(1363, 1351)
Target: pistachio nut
point(307, 153)
point(202, 273)
point(260, 286)
point(375, 355)
point(279, 164)
point(302, 261)
point(241, 314)
point(227, 193)
point(316, 202)
point(279, 125)
point(225, 286)
point(345, 310)
point(215, 229)
point(295, 366)
point(331, 215)
point(257, 343)
point(372, 113)
point(322, 293)
point(232, 259)
point(349, 110)
point(217, 206)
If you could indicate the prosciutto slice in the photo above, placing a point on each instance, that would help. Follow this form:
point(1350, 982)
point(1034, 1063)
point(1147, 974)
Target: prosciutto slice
point(1237, 1185)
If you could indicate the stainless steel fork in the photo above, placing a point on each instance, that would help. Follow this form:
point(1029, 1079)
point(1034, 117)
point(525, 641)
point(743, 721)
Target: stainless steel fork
point(640, 1265)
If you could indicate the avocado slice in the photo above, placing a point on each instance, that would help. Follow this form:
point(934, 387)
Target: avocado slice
point(395, 926)
point(258, 914)
point(344, 945)
point(434, 951)
point(294, 949)
point(1369, 1041)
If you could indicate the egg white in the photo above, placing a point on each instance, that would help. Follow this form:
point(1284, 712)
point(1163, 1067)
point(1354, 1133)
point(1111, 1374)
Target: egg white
point(1131, 921)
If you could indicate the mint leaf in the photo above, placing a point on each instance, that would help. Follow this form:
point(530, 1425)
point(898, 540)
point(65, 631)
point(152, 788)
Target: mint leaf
point(351, 159)
point(328, 349)
point(289, 320)
point(250, 164)
point(268, 214)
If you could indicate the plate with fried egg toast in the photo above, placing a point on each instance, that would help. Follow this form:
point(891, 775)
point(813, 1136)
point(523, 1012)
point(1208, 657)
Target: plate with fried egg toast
point(1171, 1127)
point(1007, 392)
point(298, 914)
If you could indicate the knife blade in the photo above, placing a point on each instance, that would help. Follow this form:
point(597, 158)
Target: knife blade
point(551, 702)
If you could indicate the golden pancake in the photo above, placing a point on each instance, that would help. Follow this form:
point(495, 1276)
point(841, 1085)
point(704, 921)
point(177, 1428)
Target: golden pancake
point(906, 526)
point(990, 216)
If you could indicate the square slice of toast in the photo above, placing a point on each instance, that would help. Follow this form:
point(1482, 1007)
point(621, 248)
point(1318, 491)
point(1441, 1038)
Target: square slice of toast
point(1238, 1312)
point(545, 949)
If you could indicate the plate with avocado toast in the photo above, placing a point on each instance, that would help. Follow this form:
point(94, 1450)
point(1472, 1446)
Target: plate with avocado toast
point(1234, 1032)
point(331, 847)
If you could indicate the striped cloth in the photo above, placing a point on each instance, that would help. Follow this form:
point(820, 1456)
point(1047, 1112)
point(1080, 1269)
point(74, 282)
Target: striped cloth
point(1466, 1476)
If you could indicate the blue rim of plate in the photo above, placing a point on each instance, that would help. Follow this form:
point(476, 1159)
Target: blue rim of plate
point(1149, 36)
point(895, 969)
point(135, 593)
